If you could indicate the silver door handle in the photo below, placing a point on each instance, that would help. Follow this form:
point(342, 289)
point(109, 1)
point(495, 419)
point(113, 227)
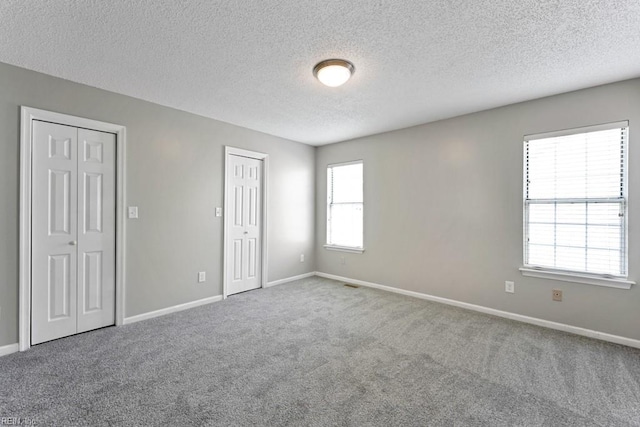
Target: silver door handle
point(73, 242)
point(246, 232)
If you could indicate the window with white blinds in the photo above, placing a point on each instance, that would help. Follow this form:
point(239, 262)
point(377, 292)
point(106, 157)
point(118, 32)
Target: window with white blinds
point(575, 200)
point(345, 205)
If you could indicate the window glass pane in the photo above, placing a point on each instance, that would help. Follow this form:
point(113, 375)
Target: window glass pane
point(543, 234)
point(543, 213)
point(541, 255)
point(604, 237)
point(603, 261)
point(570, 258)
point(347, 183)
point(569, 167)
point(346, 225)
point(605, 214)
point(603, 164)
point(571, 213)
point(585, 165)
point(593, 226)
point(571, 235)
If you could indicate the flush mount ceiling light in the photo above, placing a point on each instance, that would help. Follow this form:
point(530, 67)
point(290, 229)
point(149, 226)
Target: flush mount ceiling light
point(333, 72)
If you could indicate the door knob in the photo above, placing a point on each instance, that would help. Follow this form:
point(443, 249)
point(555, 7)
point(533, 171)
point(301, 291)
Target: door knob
point(73, 242)
point(246, 232)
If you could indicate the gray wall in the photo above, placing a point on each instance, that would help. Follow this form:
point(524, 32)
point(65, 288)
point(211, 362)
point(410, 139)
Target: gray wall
point(443, 209)
point(175, 174)
point(443, 202)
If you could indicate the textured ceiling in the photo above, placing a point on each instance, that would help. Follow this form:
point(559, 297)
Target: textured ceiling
point(250, 62)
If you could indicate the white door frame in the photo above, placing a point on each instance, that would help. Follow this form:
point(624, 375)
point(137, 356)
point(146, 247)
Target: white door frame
point(228, 151)
point(28, 115)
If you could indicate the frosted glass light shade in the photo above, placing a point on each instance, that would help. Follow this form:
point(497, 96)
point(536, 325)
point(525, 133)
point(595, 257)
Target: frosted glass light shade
point(333, 72)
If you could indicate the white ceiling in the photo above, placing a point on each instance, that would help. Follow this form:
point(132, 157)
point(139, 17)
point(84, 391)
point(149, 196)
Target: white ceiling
point(250, 62)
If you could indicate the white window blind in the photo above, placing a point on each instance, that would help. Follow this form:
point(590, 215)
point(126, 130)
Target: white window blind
point(345, 205)
point(575, 195)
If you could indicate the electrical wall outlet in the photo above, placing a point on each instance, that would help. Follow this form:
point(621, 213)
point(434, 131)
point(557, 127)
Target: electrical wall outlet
point(133, 212)
point(301, 257)
point(343, 261)
point(202, 276)
point(509, 287)
point(218, 211)
point(556, 295)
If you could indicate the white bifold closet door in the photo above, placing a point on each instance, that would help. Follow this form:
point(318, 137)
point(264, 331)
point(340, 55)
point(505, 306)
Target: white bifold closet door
point(73, 231)
point(244, 199)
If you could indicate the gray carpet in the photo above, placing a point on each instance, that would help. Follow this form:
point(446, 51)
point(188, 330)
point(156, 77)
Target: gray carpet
point(316, 353)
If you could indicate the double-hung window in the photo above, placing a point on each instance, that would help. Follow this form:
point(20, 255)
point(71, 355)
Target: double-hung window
point(575, 201)
point(345, 203)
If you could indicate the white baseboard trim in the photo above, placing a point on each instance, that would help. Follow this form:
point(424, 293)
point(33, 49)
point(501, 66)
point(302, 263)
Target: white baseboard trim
point(8, 349)
point(290, 279)
point(506, 314)
point(169, 310)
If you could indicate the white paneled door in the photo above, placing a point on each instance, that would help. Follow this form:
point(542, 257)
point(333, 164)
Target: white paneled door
point(244, 199)
point(73, 231)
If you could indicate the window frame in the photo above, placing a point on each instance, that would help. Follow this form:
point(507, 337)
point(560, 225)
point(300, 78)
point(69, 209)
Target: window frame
point(342, 248)
point(578, 276)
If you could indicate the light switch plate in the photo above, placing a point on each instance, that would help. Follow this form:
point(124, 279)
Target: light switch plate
point(133, 212)
point(202, 276)
point(218, 211)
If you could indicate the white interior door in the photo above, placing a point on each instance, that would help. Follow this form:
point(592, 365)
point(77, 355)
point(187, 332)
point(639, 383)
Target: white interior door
point(96, 230)
point(244, 183)
point(54, 231)
point(73, 231)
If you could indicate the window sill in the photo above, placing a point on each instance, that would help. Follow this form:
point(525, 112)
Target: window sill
point(344, 249)
point(577, 278)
